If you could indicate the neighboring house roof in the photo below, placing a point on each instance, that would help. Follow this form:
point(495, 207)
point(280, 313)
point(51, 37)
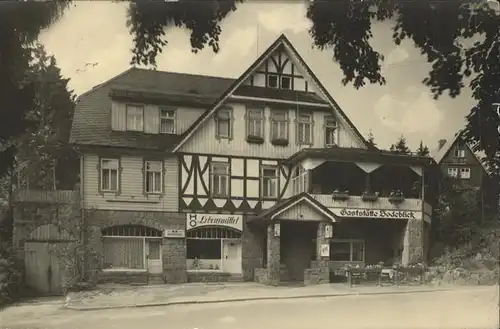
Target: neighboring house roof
point(440, 153)
point(281, 41)
point(91, 122)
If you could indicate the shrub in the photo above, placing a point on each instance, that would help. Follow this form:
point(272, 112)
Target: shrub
point(10, 275)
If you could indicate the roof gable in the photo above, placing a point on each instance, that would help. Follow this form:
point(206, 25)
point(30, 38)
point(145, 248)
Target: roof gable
point(281, 43)
point(440, 154)
point(302, 204)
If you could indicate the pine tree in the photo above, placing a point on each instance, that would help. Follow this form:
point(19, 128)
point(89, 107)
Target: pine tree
point(400, 146)
point(44, 158)
point(423, 150)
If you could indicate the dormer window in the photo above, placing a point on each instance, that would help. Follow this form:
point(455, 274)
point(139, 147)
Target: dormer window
point(135, 118)
point(272, 81)
point(167, 121)
point(330, 131)
point(286, 83)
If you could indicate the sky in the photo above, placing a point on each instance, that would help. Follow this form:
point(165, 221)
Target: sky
point(96, 32)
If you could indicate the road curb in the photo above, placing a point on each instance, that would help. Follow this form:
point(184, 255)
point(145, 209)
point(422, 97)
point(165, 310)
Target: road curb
point(245, 299)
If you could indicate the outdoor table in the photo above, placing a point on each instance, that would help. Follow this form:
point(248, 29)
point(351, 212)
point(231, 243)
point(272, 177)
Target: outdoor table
point(408, 270)
point(358, 272)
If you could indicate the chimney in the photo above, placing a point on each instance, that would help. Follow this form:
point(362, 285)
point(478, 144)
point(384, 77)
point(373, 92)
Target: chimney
point(441, 143)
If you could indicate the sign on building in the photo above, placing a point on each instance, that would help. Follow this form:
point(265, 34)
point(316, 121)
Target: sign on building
point(376, 213)
point(195, 220)
point(175, 233)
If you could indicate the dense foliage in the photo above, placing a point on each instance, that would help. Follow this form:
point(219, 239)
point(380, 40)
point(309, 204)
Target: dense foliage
point(45, 158)
point(10, 275)
point(442, 30)
point(21, 24)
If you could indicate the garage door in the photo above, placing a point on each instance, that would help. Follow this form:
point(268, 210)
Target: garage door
point(44, 270)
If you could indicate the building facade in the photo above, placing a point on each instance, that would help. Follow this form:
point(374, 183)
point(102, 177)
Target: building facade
point(264, 177)
point(456, 159)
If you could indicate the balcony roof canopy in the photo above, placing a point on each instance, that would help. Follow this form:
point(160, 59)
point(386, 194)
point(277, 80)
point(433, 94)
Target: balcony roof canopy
point(359, 155)
point(280, 208)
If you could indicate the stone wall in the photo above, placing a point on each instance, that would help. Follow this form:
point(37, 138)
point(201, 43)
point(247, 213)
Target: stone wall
point(33, 209)
point(253, 240)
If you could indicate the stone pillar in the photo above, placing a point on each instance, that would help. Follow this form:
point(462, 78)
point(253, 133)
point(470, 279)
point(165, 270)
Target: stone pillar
point(273, 256)
point(413, 242)
point(322, 270)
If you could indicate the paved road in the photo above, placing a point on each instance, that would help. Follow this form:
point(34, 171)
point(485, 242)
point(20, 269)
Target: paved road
point(455, 309)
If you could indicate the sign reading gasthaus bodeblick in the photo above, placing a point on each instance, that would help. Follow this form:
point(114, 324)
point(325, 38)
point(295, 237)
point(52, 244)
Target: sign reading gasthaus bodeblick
point(198, 220)
point(375, 213)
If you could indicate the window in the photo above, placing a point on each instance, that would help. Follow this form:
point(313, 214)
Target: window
point(300, 180)
point(223, 119)
point(153, 183)
point(347, 251)
point(255, 122)
point(135, 118)
point(465, 173)
point(205, 247)
point(304, 131)
point(272, 81)
point(167, 121)
point(269, 182)
point(124, 246)
point(109, 175)
point(279, 125)
point(453, 172)
point(330, 131)
point(459, 153)
point(220, 179)
point(286, 83)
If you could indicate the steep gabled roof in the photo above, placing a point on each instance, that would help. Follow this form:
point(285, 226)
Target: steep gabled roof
point(282, 40)
point(442, 152)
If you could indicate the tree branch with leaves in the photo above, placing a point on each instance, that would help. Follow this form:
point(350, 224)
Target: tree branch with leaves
point(442, 30)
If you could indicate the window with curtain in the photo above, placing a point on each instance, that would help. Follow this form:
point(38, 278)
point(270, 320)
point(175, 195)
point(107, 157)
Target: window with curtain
point(153, 176)
point(255, 123)
point(167, 121)
point(109, 175)
point(279, 125)
point(135, 118)
point(123, 253)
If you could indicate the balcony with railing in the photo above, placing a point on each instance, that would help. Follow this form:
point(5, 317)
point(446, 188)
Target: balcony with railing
point(364, 189)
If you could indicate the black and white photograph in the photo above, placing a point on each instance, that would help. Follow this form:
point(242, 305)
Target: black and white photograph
point(211, 164)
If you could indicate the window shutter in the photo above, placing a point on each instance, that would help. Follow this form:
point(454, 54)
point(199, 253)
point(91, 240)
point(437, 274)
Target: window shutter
point(118, 116)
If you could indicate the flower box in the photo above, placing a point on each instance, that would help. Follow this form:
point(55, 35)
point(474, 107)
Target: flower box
point(369, 196)
point(396, 199)
point(280, 142)
point(255, 139)
point(337, 195)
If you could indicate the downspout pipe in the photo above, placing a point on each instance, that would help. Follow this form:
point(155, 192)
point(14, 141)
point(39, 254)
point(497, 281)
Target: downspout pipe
point(82, 210)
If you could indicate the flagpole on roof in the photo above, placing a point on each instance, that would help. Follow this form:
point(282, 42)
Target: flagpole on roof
point(257, 56)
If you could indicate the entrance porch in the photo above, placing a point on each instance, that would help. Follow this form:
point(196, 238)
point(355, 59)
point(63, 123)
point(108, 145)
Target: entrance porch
point(305, 242)
point(296, 242)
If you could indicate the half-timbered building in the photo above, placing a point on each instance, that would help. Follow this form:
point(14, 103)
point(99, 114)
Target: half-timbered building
point(264, 177)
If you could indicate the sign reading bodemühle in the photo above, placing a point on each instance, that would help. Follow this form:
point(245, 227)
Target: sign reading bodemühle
point(198, 220)
point(375, 213)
